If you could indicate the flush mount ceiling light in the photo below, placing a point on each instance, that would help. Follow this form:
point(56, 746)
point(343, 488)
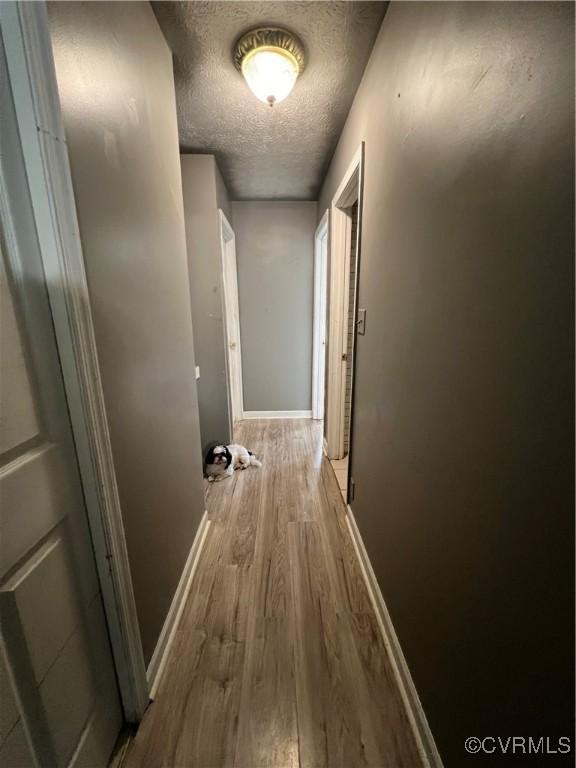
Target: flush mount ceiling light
point(270, 58)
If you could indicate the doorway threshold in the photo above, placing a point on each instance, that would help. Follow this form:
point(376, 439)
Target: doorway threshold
point(340, 467)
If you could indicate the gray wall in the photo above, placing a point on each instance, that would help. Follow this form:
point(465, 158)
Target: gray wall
point(205, 192)
point(275, 255)
point(116, 86)
point(463, 431)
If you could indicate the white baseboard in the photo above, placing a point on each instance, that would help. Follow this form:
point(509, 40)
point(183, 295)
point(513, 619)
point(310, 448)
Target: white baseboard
point(277, 414)
point(160, 655)
point(414, 711)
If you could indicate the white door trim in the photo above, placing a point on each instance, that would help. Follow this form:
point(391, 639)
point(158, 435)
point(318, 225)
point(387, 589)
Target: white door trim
point(319, 326)
point(33, 81)
point(349, 191)
point(231, 322)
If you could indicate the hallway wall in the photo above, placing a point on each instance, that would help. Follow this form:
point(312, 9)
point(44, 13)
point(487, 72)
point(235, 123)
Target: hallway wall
point(204, 192)
point(463, 431)
point(116, 86)
point(275, 254)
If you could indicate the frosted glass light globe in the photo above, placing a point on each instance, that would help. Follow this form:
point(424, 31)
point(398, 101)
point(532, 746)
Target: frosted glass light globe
point(270, 73)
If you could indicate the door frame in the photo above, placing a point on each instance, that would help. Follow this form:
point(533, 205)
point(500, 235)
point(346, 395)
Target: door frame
point(32, 78)
point(319, 332)
point(231, 322)
point(348, 192)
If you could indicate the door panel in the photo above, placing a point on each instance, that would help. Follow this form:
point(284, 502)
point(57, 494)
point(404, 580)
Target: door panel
point(58, 667)
point(28, 486)
point(232, 319)
point(15, 751)
point(82, 670)
point(47, 624)
point(8, 710)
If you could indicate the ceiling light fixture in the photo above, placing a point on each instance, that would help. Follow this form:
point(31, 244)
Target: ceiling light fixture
point(270, 58)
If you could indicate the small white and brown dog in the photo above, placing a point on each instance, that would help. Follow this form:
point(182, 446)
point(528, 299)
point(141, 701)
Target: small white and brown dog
point(222, 460)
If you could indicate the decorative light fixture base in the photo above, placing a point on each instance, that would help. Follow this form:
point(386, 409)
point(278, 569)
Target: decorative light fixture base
point(272, 37)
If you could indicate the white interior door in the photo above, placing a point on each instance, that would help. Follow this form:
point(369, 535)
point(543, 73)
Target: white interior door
point(320, 320)
point(60, 702)
point(231, 320)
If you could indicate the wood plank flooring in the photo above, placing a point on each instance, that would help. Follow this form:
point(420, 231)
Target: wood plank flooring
point(278, 661)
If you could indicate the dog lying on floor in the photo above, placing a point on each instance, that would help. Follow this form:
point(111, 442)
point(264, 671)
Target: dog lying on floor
point(222, 460)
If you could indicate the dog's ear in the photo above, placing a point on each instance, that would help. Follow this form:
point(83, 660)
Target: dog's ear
point(228, 456)
point(210, 456)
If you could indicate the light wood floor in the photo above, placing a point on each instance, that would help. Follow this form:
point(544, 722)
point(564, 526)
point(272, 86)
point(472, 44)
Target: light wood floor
point(278, 662)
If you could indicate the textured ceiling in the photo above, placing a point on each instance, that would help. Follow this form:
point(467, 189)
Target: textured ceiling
point(280, 153)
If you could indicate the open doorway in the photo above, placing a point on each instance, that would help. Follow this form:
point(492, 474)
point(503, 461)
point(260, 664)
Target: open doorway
point(231, 321)
point(335, 309)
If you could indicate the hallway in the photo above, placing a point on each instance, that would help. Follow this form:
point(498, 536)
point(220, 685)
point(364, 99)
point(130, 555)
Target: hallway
point(341, 234)
point(278, 660)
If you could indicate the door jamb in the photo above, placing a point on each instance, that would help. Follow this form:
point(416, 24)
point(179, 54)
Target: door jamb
point(349, 191)
point(32, 78)
point(226, 235)
point(320, 277)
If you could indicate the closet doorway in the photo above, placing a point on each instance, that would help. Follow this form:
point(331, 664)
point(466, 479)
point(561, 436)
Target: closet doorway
point(343, 229)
